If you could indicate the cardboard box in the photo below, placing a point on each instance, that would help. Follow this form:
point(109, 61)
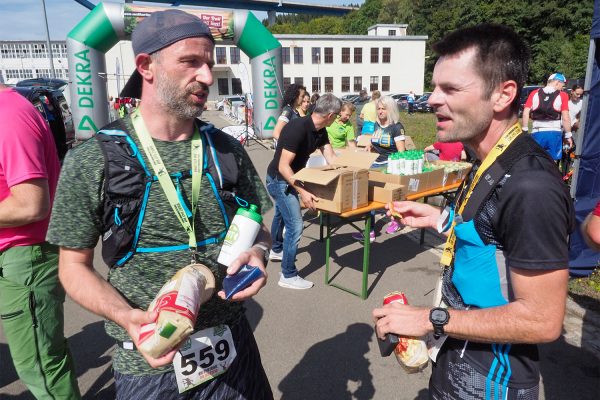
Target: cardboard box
point(409, 144)
point(341, 187)
point(413, 184)
point(385, 192)
point(456, 176)
point(363, 140)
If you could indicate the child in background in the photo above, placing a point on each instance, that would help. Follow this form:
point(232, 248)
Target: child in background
point(450, 151)
point(341, 132)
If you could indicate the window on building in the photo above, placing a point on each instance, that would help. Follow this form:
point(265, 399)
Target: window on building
point(345, 55)
point(299, 81)
point(221, 55)
point(39, 50)
point(392, 32)
point(374, 55)
point(374, 83)
point(358, 55)
point(298, 55)
point(328, 55)
point(223, 86)
point(316, 84)
point(329, 84)
point(43, 73)
point(345, 84)
point(236, 86)
point(234, 55)
point(385, 83)
point(386, 55)
point(357, 83)
point(316, 55)
point(285, 55)
point(286, 83)
point(19, 73)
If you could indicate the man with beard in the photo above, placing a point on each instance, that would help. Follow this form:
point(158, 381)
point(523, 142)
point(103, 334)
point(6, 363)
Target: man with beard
point(110, 188)
point(505, 264)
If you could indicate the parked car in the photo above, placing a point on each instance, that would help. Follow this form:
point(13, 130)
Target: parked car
point(525, 92)
point(421, 104)
point(53, 105)
point(402, 100)
point(349, 97)
point(231, 100)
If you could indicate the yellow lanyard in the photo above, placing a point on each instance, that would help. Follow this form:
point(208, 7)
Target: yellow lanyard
point(165, 180)
point(507, 138)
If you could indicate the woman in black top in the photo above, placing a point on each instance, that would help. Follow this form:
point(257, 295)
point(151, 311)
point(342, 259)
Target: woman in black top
point(292, 98)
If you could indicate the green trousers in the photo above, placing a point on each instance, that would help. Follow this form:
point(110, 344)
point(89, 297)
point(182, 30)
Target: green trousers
point(32, 313)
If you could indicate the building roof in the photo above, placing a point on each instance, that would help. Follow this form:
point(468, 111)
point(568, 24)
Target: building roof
point(350, 37)
point(387, 26)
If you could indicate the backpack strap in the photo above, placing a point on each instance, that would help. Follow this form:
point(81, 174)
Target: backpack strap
point(523, 146)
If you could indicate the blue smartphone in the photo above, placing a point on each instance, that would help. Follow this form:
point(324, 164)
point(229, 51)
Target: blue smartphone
point(241, 280)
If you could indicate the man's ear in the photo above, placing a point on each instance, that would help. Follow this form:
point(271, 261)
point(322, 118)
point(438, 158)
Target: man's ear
point(504, 95)
point(143, 64)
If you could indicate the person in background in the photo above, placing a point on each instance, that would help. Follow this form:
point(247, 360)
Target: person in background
point(590, 228)
point(505, 265)
point(292, 99)
point(369, 113)
point(410, 99)
point(341, 131)
point(299, 139)
point(450, 151)
point(203, 171)
point(304, 106)
point(360, 103)
point(388, 138)
point(313, 102)
point(548, 107)
point(31, 296)
point(575, 105)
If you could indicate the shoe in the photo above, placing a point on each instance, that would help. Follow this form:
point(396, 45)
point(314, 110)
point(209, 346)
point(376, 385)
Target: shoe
point(393, 227)
point(295, 282)
point(273, 256)
point(359, 236)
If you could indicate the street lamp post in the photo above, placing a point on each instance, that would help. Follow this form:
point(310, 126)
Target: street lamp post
point(48, 40)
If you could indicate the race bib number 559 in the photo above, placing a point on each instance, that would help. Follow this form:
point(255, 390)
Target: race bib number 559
point(203, 356)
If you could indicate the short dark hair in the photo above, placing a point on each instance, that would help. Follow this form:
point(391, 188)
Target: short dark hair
point(501, 54)
point(291, 94)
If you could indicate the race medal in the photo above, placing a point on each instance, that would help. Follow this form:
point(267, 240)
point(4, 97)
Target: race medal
point(203, 356)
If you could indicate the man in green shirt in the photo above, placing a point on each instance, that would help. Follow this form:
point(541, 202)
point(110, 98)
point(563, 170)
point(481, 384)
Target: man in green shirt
point(172, 77)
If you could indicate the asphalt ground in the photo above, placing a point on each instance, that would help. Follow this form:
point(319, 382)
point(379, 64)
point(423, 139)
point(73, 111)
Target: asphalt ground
point(319, 344)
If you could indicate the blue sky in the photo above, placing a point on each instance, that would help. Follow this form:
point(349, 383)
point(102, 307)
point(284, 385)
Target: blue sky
point(24, 19)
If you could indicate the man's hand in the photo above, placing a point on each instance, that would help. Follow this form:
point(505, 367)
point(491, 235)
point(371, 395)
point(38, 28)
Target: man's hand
point(402, 320)
point(132, 321)
point(569, 141)
point(308, 199)
point(254, 257)
point(413, 214)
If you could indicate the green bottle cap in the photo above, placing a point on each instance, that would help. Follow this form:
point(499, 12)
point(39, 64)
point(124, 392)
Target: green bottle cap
point(251, 212)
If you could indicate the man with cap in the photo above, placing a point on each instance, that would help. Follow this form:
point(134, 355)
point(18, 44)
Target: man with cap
point(110, 189)
point(546, 107)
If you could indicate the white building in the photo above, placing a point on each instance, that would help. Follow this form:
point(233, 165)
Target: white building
point(385, 59)
point(21, 59)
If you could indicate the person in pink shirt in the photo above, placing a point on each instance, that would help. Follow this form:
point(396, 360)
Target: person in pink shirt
point(31, 297)
point(451, 151)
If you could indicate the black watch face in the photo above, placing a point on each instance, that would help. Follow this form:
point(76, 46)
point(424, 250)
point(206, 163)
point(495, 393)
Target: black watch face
point(439, 316)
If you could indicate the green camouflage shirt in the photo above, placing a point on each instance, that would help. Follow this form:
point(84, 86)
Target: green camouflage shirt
point(76, 222)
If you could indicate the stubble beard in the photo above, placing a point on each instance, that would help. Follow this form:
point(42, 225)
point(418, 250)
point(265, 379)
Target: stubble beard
point(175, 100)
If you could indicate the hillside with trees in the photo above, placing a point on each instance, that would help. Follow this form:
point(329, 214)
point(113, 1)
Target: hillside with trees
point(556, 31)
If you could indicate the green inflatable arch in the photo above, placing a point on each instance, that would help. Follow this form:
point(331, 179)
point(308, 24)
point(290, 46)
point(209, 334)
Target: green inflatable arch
point(108, 23)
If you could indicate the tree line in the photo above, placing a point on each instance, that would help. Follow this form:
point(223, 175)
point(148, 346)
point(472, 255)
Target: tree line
point(557, 32)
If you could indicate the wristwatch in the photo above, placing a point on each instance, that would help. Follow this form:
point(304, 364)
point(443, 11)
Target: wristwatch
point(438, 318)
point(265, 250)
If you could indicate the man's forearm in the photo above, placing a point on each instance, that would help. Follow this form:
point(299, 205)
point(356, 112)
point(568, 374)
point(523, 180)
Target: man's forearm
point(87, 288)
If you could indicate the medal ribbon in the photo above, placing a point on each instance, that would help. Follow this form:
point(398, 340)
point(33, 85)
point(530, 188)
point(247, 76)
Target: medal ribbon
point(507, 138)
point(186, 220)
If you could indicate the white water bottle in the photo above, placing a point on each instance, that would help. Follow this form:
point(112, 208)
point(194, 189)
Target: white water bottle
point(241, 234)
